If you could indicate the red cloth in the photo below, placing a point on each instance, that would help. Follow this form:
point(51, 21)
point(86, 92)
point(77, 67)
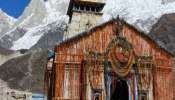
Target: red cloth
point(120, 56)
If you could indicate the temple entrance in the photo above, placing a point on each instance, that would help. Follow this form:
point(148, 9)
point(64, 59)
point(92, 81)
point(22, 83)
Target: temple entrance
point(121, 91)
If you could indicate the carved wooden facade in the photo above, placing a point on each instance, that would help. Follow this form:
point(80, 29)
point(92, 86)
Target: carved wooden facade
point(150, 77)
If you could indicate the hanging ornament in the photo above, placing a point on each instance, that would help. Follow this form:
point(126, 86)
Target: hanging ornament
point(121, 55)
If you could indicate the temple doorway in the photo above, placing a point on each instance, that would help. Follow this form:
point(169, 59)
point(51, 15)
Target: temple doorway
point(120, 91)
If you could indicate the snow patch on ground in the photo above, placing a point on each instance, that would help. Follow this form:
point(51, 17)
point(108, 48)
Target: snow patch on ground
point(141, 13)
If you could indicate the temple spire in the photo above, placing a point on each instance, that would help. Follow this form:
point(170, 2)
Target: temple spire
point(84, 14)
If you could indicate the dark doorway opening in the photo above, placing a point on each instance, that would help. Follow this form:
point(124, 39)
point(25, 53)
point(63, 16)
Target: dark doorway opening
point(120, 91)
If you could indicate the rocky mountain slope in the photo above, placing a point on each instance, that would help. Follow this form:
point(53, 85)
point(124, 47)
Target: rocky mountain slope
point(6, 55)
point(6, 22)
point(26, 72)
point(24, 43)
point(164, 32)
point(24, 69)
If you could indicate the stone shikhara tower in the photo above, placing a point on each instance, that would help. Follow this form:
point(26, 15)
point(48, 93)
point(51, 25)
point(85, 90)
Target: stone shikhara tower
point(83, 14)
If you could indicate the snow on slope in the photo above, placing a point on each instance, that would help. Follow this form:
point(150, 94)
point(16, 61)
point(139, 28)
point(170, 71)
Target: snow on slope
point(40, 13)
point(54, 16)
point(6, 21)
point(141, 13)
point(36, 21)
point(34, 34)
point(55, 9)
point(10, 19)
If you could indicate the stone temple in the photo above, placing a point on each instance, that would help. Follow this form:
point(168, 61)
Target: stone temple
point(84, 14)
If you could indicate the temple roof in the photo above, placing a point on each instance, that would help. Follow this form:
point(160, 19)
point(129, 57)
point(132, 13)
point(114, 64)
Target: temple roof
point(143, 34)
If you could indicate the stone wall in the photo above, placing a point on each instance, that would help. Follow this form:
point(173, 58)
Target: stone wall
point(82, 21)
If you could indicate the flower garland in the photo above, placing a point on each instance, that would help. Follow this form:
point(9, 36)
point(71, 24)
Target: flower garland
point(121, 56)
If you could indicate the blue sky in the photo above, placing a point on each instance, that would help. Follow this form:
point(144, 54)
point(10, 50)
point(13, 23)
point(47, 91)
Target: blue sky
point(13, 7)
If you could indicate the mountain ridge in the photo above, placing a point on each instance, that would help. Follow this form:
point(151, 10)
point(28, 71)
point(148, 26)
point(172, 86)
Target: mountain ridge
point(36, 16)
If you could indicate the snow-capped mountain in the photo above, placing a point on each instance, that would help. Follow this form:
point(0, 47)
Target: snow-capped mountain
point(35, 22)
point(141, 13)
point(34, 34)
point(38, 16)
point(6, 22)
point(33, 14)
point(40, 26)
